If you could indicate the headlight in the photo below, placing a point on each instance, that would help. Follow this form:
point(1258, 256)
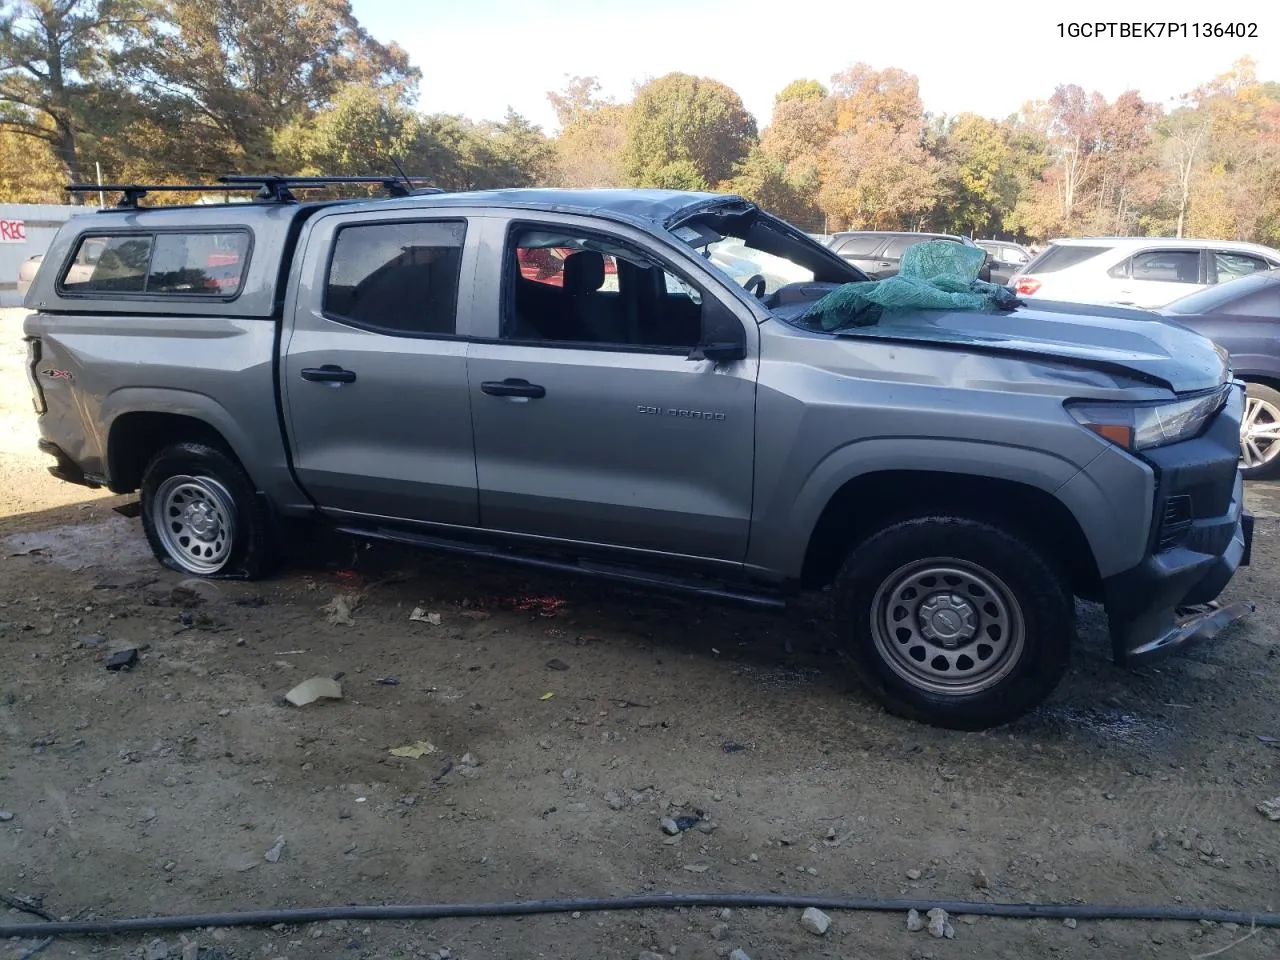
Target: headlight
point(1143, 426)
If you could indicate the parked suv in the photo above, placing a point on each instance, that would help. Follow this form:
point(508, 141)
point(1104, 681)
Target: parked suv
point(1007, 258)
point(1144, 272)
point(878, 253)
point(414, 370)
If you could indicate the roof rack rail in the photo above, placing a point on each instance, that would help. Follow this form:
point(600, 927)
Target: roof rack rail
point(269, 188)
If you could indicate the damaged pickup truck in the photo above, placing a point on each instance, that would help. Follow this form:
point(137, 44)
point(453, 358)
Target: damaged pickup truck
point(575, 380)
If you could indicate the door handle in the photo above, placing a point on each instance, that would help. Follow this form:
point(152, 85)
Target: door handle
point(329, 373)
point(513, 387)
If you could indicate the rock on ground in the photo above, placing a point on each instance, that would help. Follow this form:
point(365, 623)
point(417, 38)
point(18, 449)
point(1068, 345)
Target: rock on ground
point(815, 921)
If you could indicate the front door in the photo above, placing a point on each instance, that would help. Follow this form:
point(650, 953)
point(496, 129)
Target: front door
point(591, 422)
point(374, 369)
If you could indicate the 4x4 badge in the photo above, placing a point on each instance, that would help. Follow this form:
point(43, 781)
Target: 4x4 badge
point(57, 374)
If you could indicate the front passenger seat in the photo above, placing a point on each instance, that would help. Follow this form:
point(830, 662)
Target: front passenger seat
point(592, 315)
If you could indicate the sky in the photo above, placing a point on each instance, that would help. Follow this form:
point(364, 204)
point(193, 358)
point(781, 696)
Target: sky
point(479, 57)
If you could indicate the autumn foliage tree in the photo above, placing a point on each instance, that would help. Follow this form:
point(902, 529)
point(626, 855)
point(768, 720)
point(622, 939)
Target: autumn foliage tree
point(685, 132)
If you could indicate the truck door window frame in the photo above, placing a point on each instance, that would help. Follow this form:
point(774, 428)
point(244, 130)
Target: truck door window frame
point(510, 268)
point(354, 324)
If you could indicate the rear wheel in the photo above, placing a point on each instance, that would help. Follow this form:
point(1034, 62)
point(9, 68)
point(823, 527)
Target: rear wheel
point(201, 515)
point(955, 622)
point(1260, 433)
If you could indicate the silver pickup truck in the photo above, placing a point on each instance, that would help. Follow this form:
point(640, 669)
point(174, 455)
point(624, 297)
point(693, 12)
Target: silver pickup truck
point(586, 381)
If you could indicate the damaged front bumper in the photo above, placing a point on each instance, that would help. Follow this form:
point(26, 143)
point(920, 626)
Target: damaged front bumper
point(1201, 535)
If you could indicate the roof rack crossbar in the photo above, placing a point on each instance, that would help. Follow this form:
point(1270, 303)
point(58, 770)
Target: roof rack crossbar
point(133, 192)
point(270, 188)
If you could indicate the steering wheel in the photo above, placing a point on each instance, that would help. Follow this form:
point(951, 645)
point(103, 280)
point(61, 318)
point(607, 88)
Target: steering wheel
point(757, 281)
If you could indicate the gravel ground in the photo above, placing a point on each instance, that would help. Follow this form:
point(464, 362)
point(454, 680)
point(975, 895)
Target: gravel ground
point(564, 722)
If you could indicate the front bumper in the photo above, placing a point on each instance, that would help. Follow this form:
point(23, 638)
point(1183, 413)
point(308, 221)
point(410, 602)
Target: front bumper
point(1201, 535)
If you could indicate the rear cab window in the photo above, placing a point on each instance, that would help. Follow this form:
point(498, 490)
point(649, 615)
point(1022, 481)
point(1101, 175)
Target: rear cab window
point(198, 263)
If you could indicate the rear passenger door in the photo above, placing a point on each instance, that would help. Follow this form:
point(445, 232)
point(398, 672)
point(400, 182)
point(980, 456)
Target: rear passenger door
point(374, 367)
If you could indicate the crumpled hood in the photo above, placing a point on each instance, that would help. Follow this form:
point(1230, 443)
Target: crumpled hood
point(1136, 341)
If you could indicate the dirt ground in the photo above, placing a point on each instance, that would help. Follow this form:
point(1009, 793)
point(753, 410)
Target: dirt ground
point(566, 720)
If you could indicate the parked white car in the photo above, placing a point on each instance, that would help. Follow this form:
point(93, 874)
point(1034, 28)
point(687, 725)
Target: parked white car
point(1146, 272)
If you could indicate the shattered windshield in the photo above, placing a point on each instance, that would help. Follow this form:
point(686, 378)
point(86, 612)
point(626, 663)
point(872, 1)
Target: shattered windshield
point(747, 245)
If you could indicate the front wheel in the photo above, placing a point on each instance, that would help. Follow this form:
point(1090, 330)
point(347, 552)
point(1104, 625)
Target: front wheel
point(1260, 433)
point(201, 515)
point(955, 622)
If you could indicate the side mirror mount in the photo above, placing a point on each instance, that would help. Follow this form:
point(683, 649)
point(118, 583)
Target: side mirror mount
point(720, 352)
point(723, 339)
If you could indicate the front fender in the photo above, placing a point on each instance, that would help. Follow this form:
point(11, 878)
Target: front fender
point(782, 538)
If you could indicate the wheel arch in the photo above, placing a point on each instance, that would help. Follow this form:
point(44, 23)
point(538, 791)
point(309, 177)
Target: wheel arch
point(1028, 508)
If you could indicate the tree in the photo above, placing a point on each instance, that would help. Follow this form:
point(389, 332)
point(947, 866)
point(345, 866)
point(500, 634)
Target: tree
point(685, 130)
point(520, 153)
point(29, 170)
point(980, 182)
point(863, 95)
point(762, 179)
point(800, 90)
point(232, 72)
point(877, 178)
point(356, 136)
point(55, 57)
point(592, 134)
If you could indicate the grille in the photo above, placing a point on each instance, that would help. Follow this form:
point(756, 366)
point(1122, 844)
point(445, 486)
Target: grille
point(1175, 522)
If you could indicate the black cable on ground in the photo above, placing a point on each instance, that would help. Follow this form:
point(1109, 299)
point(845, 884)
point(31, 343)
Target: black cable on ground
point(517, 908)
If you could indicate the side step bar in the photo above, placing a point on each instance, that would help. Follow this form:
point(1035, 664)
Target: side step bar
point(578, 568)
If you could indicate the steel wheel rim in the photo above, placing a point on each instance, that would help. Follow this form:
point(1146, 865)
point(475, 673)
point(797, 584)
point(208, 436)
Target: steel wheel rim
point(1259, 432)
point(195, 520)
point(947, 626)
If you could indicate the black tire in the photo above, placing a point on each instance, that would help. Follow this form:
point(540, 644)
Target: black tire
point(1026, 626)
point(216, 524)
point(1268, 399)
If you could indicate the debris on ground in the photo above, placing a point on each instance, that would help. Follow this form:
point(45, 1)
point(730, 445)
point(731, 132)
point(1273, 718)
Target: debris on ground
point(190, 951)
point(123, 659)
point(317, 688)
point(914, 923)
point(388, 681)
point(815, 921)
point(739, 954)
point(980, 879)
point(546, 696)
point(1270, 808)
point(414, 751)
point(557, 665)
point(940, 925)
point(420, 615)
point(469, 760)
point(543, 606)
point(444, 772)
point(1269, 741)
point(1070, 923)
point(277, 850)
point(5, 816)
point(731, 747)
point(675, 825)
point(913, 875)
point(156, 950)
point(338, 610)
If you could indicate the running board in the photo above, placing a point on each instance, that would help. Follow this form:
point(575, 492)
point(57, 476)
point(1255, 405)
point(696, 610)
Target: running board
point(580, 568)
